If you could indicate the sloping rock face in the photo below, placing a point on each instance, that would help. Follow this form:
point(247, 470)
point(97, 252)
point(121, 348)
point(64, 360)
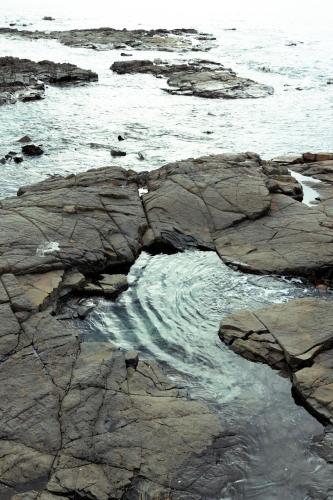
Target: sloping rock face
point(109, 38)
point(231, 203)
point(197, 78)
point(23, 80)
point(191, 202)
point(296, 337)
point(76, 421)
point(92, 221)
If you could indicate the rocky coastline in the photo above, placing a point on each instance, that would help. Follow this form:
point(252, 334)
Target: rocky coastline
point(84, 418)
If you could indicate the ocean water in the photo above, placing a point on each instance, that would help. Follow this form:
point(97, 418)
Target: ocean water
point(174, 305)
point(160, 126)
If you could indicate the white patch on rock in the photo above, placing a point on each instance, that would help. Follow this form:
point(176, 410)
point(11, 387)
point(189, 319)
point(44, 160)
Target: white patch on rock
point(47, 248)
point(142, 191)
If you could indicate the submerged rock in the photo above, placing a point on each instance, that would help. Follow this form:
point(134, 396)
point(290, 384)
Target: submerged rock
point(24, 80)
point(296, 337)
point(117, 152)
point(173, 40)
point(197, 78)
point(25, 139)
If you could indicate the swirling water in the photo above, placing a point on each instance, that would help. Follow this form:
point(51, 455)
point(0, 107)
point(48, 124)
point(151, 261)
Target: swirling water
point(171, 313)
point(174, 305)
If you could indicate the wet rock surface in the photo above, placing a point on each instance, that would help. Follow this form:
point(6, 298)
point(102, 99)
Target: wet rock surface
point(199, 78)
point(24, 80)
point(296, 337)
point(180, 39)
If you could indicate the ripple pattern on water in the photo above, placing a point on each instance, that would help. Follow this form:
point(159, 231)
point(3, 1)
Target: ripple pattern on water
point(171, 313)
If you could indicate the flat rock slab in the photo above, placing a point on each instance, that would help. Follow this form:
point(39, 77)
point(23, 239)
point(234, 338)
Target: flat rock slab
point(322, 170)
point(109, 285)
point(296, 337)
point(173, 40)
point(291, 238)
point(24, 80)
point(197, 78)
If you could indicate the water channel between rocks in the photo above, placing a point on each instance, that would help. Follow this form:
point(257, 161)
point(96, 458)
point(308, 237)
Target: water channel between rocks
point(171, 313)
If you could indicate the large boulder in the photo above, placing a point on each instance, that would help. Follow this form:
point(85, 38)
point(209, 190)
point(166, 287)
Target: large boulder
point(296, 337)
point(193, 201)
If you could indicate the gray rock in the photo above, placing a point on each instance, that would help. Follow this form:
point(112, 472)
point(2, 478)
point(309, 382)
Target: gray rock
point(82, 419)
point(24, 80)
point(32, 150)
point(193, 201)
point(292, 238)
point(231, 203)
point(93, 220)
point(117, 152)
point(173, 40)
point(25, 139)
point(296, 337)
point(197, 78)
point(93, 426)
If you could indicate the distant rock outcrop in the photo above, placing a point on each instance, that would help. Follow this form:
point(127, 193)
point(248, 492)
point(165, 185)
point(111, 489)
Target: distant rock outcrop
point(174, 40)
point(199, 78)
point(24, 80)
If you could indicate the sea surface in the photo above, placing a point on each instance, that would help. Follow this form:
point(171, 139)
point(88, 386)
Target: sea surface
point(174, 305)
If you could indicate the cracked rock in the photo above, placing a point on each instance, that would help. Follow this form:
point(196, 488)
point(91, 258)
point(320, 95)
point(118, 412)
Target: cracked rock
point(296, 337)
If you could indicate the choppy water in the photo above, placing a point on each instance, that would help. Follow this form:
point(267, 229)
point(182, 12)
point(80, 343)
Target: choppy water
point(174, 305)
point(164, 127)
